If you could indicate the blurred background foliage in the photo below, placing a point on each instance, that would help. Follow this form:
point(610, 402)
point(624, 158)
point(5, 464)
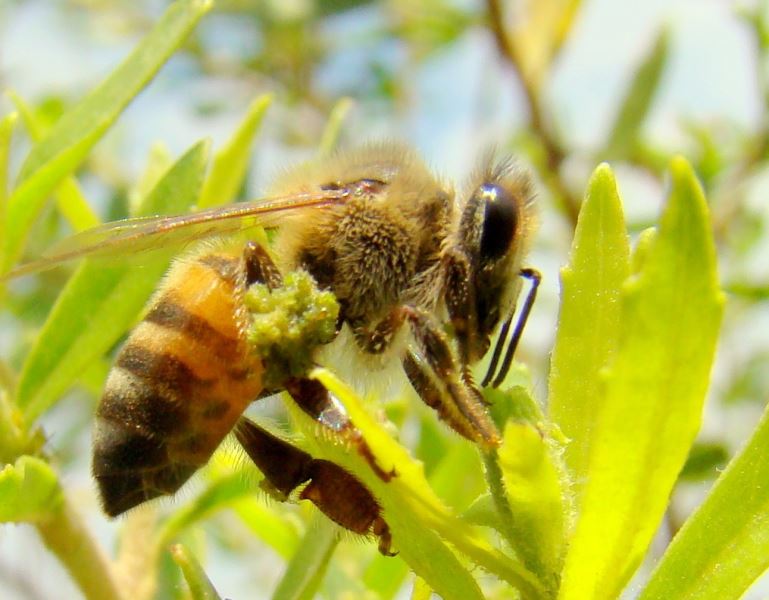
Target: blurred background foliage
point(560, 84)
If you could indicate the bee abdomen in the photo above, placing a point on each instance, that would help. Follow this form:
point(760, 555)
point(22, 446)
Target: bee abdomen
point(176, 390)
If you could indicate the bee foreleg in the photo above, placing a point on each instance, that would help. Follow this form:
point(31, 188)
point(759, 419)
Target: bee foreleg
point(337, 493)
point(443, 384)
point(377, 340)
point(460, 302)
point(259, 266)
point(321, 405)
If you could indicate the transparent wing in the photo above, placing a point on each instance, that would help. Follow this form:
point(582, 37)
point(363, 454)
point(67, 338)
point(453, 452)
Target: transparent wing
point(129, 236)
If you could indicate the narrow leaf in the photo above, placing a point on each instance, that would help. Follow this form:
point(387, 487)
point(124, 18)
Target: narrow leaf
point(70, 140)
point(589, 320)
point(29, 491)
point(200, 585)
point(69, 198)
point(420, 523)
point(724, 546)
point(385, 576)
point(221, 493)
point(421, 590)
point(7, 124)
point(654, 392)
point(306, 569)
point(101, 301)
point(268, 526)
point(535, 493)
point(638, 99)
point(230, 163)
point(333, 130)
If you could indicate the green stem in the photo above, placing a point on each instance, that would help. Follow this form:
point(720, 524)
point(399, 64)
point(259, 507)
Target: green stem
point(137, 561)
point(499, 496)
point(200, 585)
point(66, 536)
point(525, 551)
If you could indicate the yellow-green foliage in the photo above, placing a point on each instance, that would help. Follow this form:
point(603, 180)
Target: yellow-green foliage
point(565, 508)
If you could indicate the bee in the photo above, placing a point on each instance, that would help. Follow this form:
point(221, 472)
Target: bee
point(420, 273)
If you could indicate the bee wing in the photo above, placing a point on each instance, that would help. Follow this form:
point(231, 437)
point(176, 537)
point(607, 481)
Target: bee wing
point(147, 233)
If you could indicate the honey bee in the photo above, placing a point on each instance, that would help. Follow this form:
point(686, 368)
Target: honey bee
point(419, 273)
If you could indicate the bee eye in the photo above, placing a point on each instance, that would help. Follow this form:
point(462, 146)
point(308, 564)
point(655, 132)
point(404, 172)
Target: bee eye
point(499, 221)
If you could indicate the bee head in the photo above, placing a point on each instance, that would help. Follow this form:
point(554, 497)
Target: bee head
point(492, 237)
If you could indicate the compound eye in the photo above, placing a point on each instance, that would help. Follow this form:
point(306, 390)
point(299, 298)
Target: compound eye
point(500, 220)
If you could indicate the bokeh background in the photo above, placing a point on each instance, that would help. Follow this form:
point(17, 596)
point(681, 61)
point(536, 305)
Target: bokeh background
point(633, 83)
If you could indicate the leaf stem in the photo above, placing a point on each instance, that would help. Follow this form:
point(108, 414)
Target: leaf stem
point(66, 536)
point(499, 495)
point(200, 586)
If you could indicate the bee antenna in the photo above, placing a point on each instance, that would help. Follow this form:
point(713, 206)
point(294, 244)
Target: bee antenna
point(535, 277)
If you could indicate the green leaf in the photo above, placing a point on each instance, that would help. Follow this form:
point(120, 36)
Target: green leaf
point(70, 140)
point(724, 546)
point(219, 494)
point(201, 587)
point(100, 302)
point(69, 199)
point(333, 130)
point(458, 478)
point(7, 124)
point(421, 590)
point(654, 392)
point(528, 485)
point(420, 523)
point(29, 491)
point(230, 163)
point(267, 525)
point(589, 320)
point(705, 461)
point(307, 567)
point(385, 576)
point(159, 160)
point(484, 512)
point(638, 100)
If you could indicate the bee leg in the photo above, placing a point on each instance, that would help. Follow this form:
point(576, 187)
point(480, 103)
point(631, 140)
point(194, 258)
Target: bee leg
point(435, 374)
point(461, 304)
point(337, 493)
point(321, 405)
point(377, 340)
point(259, 267)
point(443, 384)
point(438, 378)
point(433, 393)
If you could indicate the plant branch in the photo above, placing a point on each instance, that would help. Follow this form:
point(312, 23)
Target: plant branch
point(66, 536)
point(733, 186)
point(555, 155)
point(137, 562)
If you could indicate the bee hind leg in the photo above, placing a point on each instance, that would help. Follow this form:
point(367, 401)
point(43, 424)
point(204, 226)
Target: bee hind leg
point(321, 405)
point(336, 492)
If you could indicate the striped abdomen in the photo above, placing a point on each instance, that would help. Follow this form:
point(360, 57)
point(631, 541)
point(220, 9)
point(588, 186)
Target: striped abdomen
point(178, 386)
